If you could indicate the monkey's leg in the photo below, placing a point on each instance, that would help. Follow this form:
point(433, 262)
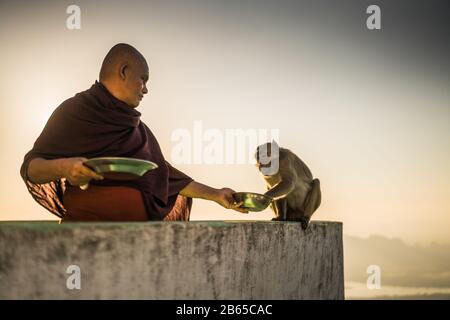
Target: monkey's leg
point(275, 211)
point(313, 200)
point(280, 208)
point(281, 205)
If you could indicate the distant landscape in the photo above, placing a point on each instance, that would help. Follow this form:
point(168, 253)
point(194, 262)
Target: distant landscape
point(407, 271)
point(435, 296)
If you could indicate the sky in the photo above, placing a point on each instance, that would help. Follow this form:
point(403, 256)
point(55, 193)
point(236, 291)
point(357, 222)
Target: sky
point(366, 110)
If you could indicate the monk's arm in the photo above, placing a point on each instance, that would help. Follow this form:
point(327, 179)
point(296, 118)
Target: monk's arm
point(43, 171)
point(199, 190)
point(223, 196)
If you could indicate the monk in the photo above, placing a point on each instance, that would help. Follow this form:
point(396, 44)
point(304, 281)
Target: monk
point(103, 122)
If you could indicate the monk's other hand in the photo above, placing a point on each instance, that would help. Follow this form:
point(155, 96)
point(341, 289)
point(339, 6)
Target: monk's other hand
point(78, 174)
point(225, 199)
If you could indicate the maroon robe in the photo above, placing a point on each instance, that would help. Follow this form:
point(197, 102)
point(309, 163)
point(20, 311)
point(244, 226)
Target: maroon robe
point(92, 124)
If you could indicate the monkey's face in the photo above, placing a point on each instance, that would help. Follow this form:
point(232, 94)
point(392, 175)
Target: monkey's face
point(267, 158)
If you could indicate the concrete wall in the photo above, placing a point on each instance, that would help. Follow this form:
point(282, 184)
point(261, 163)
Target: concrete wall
point(172, 260)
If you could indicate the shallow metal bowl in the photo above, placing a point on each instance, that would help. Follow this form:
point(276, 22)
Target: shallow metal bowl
point(252, 201)
point(119, 168)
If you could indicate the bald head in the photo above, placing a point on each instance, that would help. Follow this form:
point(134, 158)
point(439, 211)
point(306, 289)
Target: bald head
point(124, 72)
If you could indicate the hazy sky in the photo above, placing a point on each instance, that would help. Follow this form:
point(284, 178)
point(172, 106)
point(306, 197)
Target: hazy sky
point(368, 111)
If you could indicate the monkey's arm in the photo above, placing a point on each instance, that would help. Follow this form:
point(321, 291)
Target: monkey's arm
point(281, 190)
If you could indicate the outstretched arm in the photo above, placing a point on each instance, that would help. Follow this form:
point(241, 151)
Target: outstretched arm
point(223, 196)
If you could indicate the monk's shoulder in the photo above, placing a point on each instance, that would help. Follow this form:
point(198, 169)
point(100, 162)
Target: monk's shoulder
point(71, 103)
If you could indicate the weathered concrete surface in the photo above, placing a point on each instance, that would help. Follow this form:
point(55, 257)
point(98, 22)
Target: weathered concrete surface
point(172, 260)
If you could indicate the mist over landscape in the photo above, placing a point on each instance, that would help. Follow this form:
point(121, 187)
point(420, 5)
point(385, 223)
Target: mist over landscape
point(413, 267)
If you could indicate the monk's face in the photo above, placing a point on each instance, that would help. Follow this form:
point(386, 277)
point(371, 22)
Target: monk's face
point(135, 83)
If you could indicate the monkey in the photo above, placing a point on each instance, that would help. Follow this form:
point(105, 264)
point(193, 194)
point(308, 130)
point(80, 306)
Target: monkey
point(290, 183)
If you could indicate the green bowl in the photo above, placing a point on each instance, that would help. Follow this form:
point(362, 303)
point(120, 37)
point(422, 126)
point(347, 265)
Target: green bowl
point(252, 201)
point(119, 168)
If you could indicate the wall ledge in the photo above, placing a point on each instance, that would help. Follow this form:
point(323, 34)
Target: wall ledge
point(172, 260)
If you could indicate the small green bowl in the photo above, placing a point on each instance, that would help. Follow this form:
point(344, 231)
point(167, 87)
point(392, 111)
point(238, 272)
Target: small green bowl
point(252, 201)
point(119, 168)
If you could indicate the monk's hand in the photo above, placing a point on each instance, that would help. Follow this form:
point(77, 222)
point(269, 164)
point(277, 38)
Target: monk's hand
point(225, 199)
point(78, 174)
